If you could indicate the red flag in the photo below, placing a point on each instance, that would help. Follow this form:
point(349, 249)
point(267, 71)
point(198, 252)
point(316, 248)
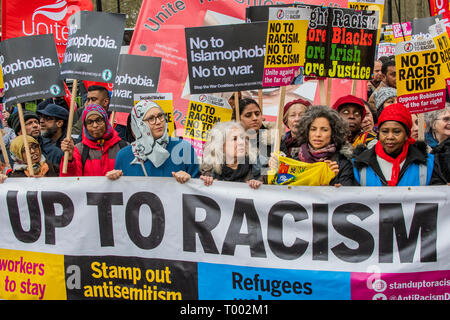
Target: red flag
point(68, 96)
point(32, 17)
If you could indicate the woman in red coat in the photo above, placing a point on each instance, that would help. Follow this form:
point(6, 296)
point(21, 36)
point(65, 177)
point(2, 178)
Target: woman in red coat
point(96, 153)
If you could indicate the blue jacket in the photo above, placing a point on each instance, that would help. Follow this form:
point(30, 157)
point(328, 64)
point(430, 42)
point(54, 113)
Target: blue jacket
point(182, 157)
point(417, 163)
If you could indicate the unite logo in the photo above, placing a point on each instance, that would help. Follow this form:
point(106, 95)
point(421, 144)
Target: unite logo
point(50, 18)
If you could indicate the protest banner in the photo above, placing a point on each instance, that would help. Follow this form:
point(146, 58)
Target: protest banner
point(135, 74)
point(30, 71)
point(341, 43)
point(165, 101)
point(161, 240)
point(204, 111)
point(226, 58)
point(159, 31)
point(34, 17)
point(285, 45)
point(420, 76)
point(92, 52)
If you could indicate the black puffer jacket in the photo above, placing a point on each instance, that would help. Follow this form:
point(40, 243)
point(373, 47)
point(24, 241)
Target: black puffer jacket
point(442, 154)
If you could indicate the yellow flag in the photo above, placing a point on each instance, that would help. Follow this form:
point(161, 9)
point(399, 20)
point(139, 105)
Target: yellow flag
point(297, 173)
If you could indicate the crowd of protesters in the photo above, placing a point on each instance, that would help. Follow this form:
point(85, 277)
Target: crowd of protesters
point(366, 143)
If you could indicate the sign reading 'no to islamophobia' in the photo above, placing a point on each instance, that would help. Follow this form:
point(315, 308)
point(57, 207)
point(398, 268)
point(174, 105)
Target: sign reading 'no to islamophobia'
point(93, 46)
point(30, 69)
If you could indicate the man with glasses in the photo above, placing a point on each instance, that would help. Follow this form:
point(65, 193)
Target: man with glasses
point(53, 121)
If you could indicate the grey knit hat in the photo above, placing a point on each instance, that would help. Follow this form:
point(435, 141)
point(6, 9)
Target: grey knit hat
point(382, 94)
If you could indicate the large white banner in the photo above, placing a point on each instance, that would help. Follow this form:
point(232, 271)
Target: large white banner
point(76, 238)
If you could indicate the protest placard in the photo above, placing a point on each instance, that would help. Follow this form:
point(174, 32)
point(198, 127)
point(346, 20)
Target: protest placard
point(420, 76)
point(385, 49)
point(30, 69)
point(341, 43)
point(442, 42)
point(226, 58)
point(402, 31)
point(369, 5)
point(135, 74)
point(92, 52)
point(1, 79)
point(93, 46)
point(285, 45)
point(204, 111)
point(165, 101)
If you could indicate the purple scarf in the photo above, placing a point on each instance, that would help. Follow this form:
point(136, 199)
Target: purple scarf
point(309, 155)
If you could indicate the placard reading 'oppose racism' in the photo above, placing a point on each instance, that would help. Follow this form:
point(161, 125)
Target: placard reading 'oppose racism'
point(93, 46)
point(226, 58)
point(422, 72)
point(30, 69)
point(341, 43)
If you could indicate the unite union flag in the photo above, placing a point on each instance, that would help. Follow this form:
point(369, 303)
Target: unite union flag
point(32, 17)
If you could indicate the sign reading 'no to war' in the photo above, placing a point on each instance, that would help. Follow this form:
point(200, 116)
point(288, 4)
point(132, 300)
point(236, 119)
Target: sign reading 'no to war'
point(93, 46)
point(30, 69)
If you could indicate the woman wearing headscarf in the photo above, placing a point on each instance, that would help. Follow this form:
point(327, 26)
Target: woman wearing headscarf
point(95, 154)
point(227, 156)
point(397, 159)
point(41, 167)
point(154, 153)
point(292, 113)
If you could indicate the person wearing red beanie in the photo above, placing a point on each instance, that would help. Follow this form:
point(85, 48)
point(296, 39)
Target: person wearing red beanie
point(353, 110)
point(397, 159)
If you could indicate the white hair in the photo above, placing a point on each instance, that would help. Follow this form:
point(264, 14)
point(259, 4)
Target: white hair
point(213, 155)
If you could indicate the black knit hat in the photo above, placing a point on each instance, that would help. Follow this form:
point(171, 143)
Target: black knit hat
point(14, 122)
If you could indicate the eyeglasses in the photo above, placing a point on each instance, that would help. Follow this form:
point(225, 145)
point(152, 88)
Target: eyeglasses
point(47, 118)
point(99, 121)
point(152, 119)
point(32, 146)
point(446, 119)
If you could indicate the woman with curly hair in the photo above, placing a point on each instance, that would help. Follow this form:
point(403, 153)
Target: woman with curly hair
point(322, 136)
point(227, 156)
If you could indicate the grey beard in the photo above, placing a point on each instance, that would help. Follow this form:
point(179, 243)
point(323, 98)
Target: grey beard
point(49, 133)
